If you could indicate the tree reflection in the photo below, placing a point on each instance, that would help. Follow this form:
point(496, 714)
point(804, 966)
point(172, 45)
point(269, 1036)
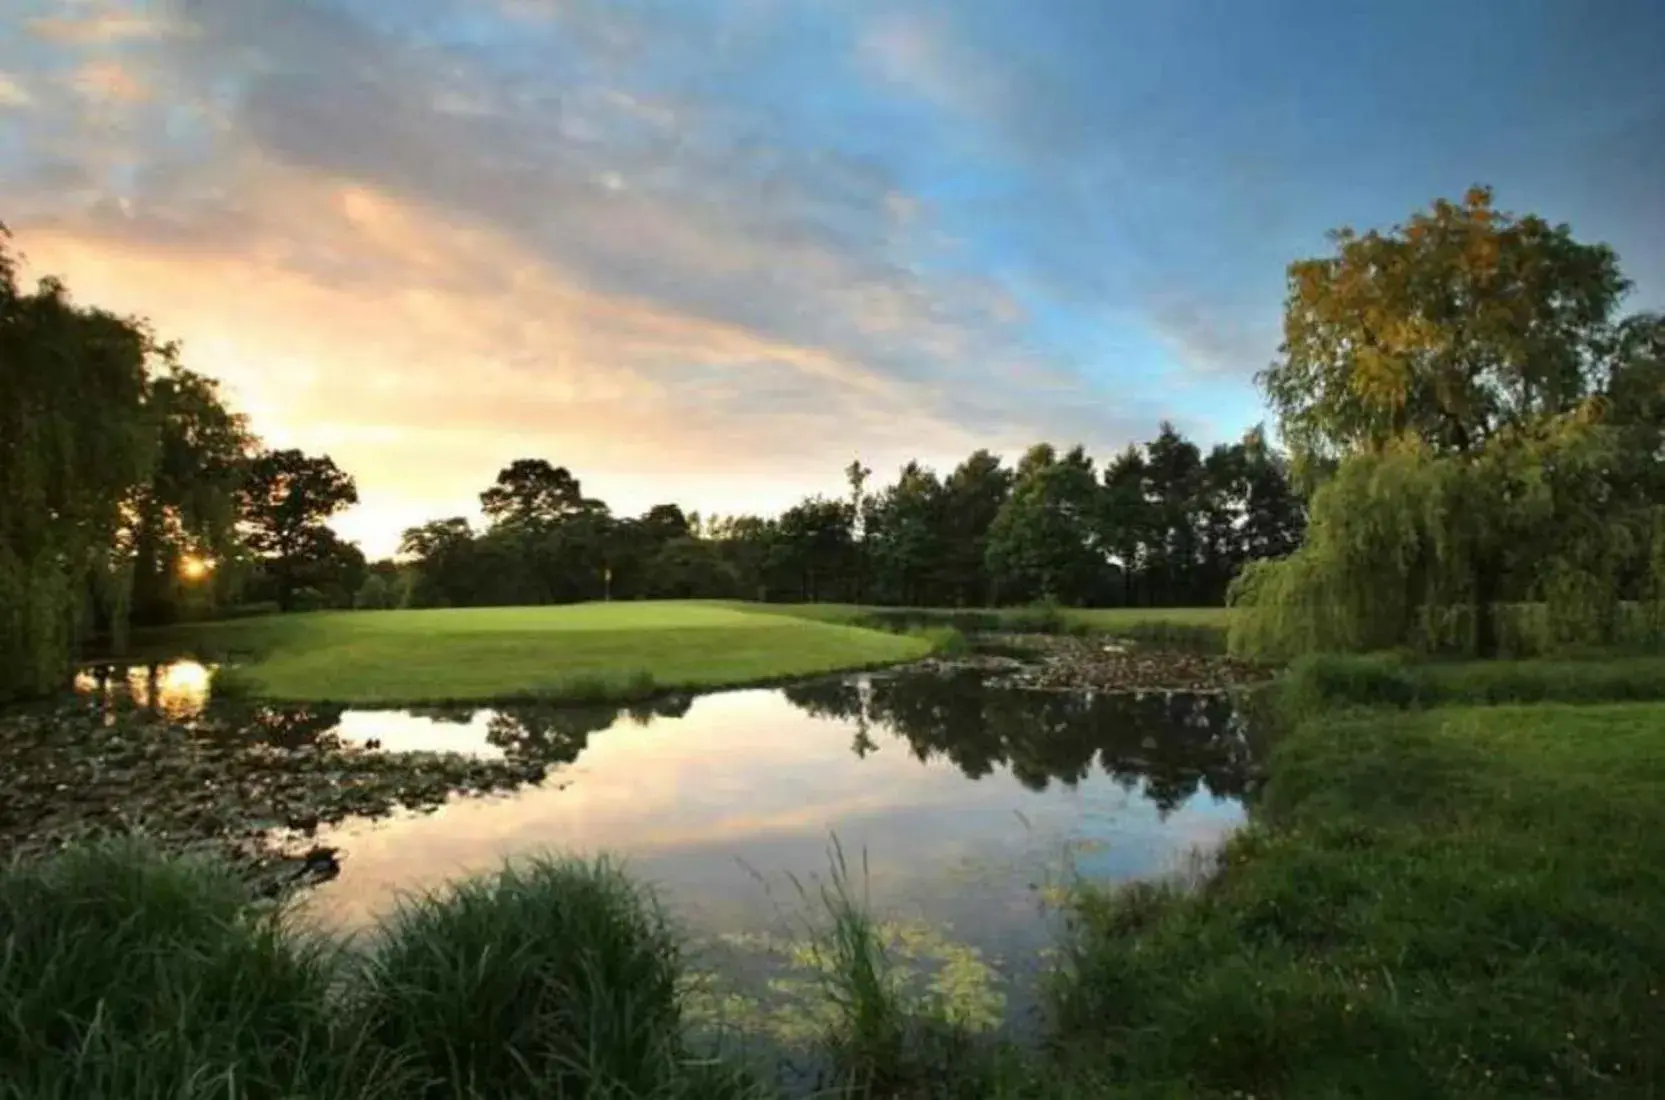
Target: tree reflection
point(1169, 744)
point(287, 727)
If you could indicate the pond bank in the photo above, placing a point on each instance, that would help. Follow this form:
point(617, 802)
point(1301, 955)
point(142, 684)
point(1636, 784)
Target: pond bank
point(1100, 663)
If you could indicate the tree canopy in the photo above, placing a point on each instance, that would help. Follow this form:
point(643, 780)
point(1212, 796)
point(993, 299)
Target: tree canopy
point(1482, 429)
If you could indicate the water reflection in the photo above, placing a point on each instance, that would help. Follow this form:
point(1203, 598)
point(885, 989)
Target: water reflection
point(177, 689)
point(965, 798)
point(1168, 744)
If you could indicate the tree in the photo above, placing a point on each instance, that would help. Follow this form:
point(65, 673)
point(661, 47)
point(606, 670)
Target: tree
point(75, 441)
point(529, 492)
point(286, 498)
point(1450, 375)
point(187, 510)
point(1175, 482)
point(442, 552)
point(973, 496)
point(1043, 543)
point(814, 545)
point(1448, 328)
point(1127, 522)
point(905, 538)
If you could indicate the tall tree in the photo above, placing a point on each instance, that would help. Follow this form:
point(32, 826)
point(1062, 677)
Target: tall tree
point(530, 492)
point(1445, 370)
point(186, 513)
point(75, 441)
point(905, 538)
point(1043, 544)
point(286, 498)
point(814, 545)
point(1447, 328)
point(1175, 481)
point(973, 496)
point(1128, 522)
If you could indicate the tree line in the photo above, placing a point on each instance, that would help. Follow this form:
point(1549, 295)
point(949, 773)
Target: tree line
point(1161, 524)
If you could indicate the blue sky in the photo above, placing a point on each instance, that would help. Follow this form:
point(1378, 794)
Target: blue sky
point(710, 250)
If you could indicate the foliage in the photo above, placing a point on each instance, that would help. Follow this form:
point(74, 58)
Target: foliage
point(1489, 432)
point(1319, 682)
point(286, 497)
point(70, 463)
point(127, 973)
point(187, 509)
point(980, 537)
point(1043, 543)
point(1462, 322)
point(132, 973)
point(556, 978)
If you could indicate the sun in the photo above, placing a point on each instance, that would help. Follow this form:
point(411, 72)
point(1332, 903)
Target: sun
point(193, 568)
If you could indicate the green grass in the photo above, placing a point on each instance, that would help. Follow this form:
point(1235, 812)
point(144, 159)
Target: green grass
point(127, 973)
point(579, 653)
point(1451, 902)
point(1322, 682)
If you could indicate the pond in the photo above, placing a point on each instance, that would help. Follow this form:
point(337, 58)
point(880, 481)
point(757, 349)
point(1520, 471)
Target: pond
point(956, 803)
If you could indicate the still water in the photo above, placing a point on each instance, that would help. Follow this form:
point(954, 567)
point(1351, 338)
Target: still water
point(956, 803)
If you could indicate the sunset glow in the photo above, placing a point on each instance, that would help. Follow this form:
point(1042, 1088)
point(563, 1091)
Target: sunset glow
point(710, 252)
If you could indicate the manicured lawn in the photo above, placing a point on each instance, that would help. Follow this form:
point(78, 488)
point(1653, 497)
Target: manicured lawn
point(587, 652)
point(1452, 902)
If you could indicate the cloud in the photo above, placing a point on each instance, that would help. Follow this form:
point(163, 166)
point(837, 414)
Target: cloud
point(434, 246)
point(108, 26)
point(13, 92)
point(108, 82)
point(1213, 339)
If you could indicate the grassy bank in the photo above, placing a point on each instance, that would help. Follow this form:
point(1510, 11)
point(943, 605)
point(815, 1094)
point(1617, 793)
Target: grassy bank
point(1326, 682)
point(1446, 902)
point(134, 975)
point(579, 653)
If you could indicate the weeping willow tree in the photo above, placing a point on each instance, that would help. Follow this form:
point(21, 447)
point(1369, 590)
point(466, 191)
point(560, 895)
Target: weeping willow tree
point(115, 463)
point(75, 438)
point(1478, 430)
point(1407, 547)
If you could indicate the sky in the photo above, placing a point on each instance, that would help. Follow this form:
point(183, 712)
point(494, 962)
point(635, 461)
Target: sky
point(709, 251)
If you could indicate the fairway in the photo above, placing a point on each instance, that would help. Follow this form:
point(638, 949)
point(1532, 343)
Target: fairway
point(583, 652)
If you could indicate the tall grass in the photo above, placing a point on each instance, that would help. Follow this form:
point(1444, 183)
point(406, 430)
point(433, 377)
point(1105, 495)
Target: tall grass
point(556, 976)
point(128, 973)
point(1177, 637)
point(867, 1039)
